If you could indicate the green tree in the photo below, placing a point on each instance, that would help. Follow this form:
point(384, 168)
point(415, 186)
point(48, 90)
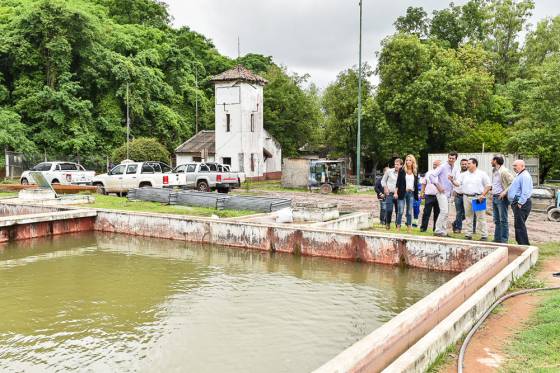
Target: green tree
point(426, 91)
point(508, 19)
point(142, 149)
point(13, 133)
point(538, 130)
point(415, 22)
point(291, 113)
point(446, 25)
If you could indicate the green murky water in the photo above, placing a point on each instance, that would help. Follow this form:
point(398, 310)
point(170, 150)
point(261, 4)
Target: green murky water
point(97, 302)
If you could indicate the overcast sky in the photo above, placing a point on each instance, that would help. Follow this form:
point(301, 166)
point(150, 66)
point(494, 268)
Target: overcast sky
point(319, 37)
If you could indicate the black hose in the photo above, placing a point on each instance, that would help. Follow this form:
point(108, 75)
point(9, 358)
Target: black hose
point(485, 315)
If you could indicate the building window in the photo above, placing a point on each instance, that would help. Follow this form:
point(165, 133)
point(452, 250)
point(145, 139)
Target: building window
point(252, 162)
point(252, 122)
point(228, 122)
point(226, 160)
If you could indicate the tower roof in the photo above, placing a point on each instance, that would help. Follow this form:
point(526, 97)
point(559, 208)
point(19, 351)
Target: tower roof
point(239, 73)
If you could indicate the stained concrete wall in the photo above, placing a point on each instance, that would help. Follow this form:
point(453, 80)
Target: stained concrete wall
point(419, 356)
point(369, 247)
point(44, 224)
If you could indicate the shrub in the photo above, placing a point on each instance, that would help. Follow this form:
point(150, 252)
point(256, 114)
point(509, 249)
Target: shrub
point(142, 149)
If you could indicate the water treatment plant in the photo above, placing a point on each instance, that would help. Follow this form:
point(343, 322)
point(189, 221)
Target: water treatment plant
point(102, 289)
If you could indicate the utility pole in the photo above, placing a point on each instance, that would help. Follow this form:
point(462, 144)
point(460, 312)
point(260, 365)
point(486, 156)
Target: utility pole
point(238, 48)
point(127, 123)
point(196, 99)
point(358, 142)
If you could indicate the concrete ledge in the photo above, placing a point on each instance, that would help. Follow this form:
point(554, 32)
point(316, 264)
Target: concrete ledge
point(27, 226)
point(353, 221)
point(378, 349)
point(6, 221)
point(419, 357)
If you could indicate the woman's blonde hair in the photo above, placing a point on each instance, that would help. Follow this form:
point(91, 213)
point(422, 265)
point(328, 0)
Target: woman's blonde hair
point(414, 165)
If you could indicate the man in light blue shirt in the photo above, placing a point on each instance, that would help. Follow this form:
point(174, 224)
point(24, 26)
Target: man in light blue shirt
point(519, 195)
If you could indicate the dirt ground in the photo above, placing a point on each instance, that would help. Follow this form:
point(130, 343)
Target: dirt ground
point(486, 350)
point(540, 229)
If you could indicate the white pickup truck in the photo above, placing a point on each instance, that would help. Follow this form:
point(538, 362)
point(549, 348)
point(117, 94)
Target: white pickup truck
point(59, 173)
point(131, 175)
point(205, 177)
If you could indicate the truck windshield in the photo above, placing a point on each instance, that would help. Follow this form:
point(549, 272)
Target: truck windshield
point(42, 167)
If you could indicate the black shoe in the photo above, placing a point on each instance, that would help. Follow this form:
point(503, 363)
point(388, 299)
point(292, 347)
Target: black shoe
point(468, 238)
point(484, 238)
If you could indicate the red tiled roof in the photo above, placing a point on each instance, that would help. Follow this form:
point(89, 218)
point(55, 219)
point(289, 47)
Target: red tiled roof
point(239, 73)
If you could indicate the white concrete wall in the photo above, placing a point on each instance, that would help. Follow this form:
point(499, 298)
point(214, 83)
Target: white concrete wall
point(273, 164)
point(240, 100)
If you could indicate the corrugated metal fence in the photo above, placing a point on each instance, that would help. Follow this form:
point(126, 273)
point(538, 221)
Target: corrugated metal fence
point(211, 200)
point(485, 159)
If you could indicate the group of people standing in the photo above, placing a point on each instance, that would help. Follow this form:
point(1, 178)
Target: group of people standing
point(467, 187)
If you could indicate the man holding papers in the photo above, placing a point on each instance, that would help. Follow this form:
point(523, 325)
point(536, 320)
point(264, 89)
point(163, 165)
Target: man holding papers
point(475, 185)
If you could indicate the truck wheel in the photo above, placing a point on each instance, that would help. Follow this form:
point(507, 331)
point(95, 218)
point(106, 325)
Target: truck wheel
point(554, 215)
point(145, 185)
point(326, 188)
point(55, 181)
point(100, 188)
point(223, 190)
point(24, 181)
point(202, 186)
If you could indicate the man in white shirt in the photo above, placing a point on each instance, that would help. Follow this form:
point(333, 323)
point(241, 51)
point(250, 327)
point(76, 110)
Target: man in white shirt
point(441, 178)
point(459, 207)
point(475, 185)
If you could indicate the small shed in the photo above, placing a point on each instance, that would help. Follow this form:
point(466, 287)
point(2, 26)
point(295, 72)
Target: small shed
point(199, 148)
point(295, 172)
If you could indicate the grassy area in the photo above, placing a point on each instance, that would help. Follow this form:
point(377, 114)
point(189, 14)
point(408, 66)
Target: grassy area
point(5, 194)
point(122, 203)
point(271, 185)
point(537, 347)
point(415, 231)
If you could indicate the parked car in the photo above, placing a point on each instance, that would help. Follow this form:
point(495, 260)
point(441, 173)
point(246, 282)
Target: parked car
point(59, 173)
point(205, 177)
point(129, 175)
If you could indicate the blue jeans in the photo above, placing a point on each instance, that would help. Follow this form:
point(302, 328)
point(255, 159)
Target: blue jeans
point(407, 201)
point(500, 211)
point(460, 213)
point(389, 204)
point(382, 212)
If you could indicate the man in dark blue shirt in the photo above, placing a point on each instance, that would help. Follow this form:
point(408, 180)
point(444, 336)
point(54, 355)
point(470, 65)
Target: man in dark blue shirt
point(519, 195)
point(381, 197)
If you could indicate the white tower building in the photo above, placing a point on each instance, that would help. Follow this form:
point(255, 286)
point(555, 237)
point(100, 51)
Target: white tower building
point(239, 138)
point(240, 135)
